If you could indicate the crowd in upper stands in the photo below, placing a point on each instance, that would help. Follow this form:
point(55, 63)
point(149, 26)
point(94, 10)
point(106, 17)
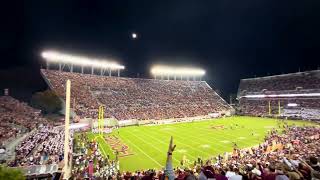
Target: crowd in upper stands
point(134, 98)
point(17, 117)
point(296, 83)
point(304, 80)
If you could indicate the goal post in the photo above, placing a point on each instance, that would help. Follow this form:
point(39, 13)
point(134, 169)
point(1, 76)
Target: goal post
point(101, 119)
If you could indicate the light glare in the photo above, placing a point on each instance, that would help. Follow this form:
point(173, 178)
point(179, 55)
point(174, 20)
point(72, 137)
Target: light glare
point(292, 104)
point(55, 56)
point(281, 95)
point(177, 71)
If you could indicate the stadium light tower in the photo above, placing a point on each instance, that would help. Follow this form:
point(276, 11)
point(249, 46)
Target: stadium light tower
point(69, 60)
point(173, 71)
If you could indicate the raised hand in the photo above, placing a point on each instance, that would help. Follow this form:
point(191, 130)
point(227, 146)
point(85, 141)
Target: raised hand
point(171, 146)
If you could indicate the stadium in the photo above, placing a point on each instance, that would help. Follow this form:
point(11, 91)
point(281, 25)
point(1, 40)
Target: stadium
point(160, 90)
point(120, 127)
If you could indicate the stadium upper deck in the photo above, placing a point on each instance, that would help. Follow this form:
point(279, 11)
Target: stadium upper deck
point(290, 95)
point(135, 98)
point(307, 80)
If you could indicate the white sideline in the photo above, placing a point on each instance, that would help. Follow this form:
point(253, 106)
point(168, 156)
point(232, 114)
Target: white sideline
point(104, 152)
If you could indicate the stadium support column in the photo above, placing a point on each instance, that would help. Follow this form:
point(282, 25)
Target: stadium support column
point(71, 68)
point(279, 104)
point(92, 70)
point(66, 168)
point(269, 108)
point(118, 72)
point(81, 69)
point(109, 72)
point(60, 67)
point(47, 65)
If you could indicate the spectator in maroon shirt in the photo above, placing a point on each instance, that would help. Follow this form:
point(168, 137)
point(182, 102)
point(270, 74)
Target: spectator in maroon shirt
point(270, 174)
point(221, 175)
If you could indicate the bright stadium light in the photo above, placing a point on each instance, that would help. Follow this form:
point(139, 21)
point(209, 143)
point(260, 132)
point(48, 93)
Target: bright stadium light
point(54, 56)
point(282, 95)
point(177, 71)
point(292, 104)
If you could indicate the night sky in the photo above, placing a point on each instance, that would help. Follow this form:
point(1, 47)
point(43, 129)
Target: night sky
point(230, 39)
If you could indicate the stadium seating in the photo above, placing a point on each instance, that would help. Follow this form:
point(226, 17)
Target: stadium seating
point(306, 80)
point(135, 98)
point(17, 117)
point(44, 146)
point(296, 83)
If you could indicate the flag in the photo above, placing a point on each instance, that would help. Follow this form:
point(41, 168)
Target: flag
point(91, 168)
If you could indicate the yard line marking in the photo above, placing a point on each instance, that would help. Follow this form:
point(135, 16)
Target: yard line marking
point(187, 144)
point(213, 137)
point(221, 135)
point(145, 153)
point(163, 142)
point(205, 140)
point(150, 145)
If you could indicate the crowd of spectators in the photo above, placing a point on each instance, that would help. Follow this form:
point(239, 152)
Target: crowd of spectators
point(297, 83)
point(304, 80)
point(300, 108)
point(292, 154)
point(89, 162)
point(43, 146)
point(135, 98)
point(17, 117)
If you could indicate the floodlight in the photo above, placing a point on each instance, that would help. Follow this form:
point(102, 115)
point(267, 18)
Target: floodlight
point(282, 95)
point(292, 104)
point(54, 56)
point(179, 71)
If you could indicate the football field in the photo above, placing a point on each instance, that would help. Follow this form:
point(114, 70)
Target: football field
point(146, 146)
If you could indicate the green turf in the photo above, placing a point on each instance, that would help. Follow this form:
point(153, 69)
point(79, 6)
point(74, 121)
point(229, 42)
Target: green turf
point(197, 139)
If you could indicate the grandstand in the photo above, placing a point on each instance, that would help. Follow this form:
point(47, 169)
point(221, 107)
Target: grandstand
point(15, 118)
point(136, 98)
point(26, 137)
point(210, 148)
point(295, 95)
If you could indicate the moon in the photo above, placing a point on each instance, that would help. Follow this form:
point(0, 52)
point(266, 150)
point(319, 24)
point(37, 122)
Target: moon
point(134, 35)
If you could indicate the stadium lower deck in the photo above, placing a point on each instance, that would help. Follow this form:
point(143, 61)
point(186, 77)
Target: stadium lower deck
point(144, 147)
